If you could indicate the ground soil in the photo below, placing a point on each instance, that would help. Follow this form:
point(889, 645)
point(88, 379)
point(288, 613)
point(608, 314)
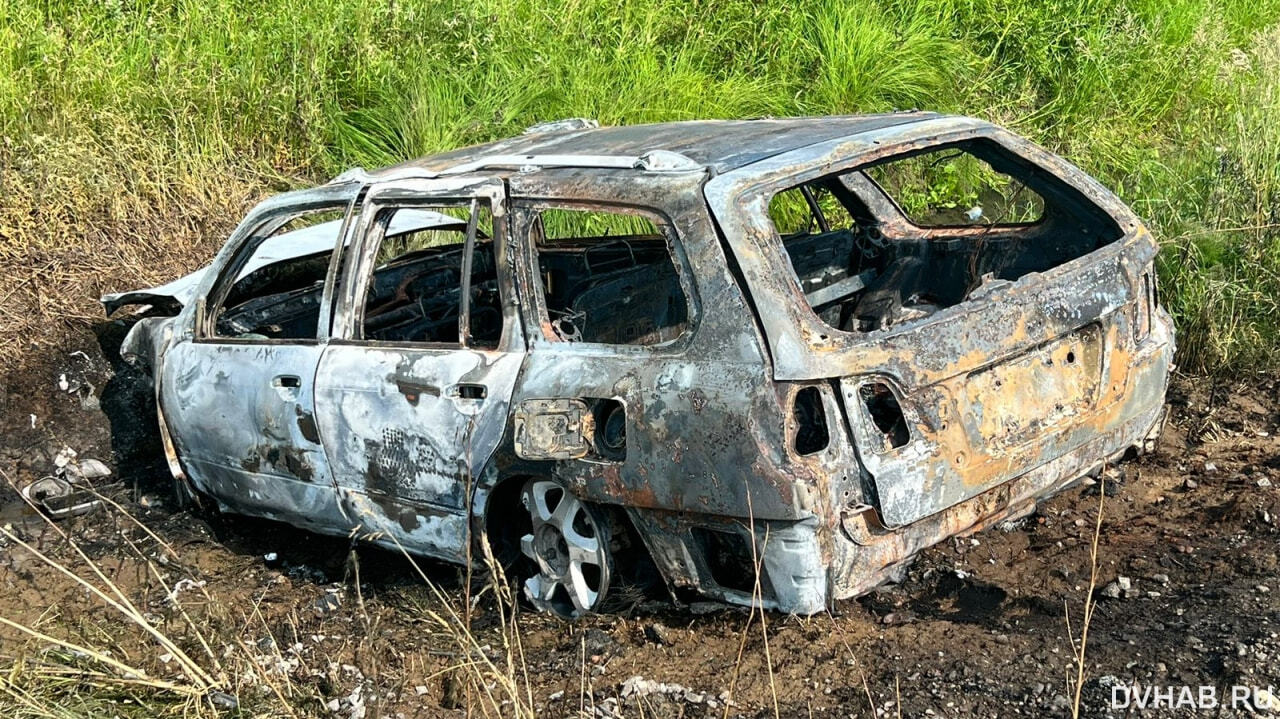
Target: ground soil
point(977, 628)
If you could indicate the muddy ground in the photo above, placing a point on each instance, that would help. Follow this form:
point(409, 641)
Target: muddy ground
point(976, 629)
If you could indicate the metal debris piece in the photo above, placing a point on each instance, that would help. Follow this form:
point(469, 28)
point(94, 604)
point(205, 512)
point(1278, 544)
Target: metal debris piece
point(58, 499)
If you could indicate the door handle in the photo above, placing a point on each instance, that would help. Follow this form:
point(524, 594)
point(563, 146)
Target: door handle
point(288, 381)
point(469, 391)
point(414, 389)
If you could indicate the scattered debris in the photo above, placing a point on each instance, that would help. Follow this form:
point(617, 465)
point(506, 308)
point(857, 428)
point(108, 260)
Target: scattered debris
point(66, 493)
point(222, 701)
point(327, 602)
point(57, 498)
point(182, 585)
point(638, 686)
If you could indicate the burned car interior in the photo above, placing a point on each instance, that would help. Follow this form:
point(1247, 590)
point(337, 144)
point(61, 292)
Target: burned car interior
point(280, 299)
point(771, 360)
point(608, 278)
point(999, 220)
point(415, 292)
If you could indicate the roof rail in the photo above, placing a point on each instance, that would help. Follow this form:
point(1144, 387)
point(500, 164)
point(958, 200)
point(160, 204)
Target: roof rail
point(564, 125)
point(652, 161)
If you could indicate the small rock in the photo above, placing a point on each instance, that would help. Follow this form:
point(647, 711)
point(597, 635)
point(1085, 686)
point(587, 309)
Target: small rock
point(1122, 587)
point(888, 618)
point(1264, 482)
point(1190, 484)
point(1161, 578)
point(1262, 588)
point(1060, 703)
point(1210, 467)
point(598, 643)
point(658, 634)
point(93, 469)
point(223, 701)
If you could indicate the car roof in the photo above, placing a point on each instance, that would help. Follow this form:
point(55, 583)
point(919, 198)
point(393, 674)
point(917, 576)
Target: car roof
point(718, 145)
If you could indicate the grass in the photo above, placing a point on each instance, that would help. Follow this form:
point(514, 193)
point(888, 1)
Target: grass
point(133, 133)
point(140, 634)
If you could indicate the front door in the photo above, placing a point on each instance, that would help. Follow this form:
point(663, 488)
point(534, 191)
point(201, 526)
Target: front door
point(237, 392)
point(414, 389)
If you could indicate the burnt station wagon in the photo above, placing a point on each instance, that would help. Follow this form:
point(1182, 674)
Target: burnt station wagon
point(774, 359)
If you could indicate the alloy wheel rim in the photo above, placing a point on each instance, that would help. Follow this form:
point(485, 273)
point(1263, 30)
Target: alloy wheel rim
point(570, 547)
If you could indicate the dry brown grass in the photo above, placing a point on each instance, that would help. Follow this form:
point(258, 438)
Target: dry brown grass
point(67, 238)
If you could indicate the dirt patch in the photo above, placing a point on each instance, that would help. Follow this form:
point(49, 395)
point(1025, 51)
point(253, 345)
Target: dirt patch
point(283, 618)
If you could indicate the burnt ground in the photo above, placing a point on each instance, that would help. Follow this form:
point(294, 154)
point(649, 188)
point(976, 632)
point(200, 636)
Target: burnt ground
point(976, 629)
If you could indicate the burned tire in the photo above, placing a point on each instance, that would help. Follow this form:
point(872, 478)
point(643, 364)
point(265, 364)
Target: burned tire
point(190, 499)
point(570, 544)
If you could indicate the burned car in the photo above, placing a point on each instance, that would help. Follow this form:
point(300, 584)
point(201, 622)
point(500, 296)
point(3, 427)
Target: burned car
point(775, 359)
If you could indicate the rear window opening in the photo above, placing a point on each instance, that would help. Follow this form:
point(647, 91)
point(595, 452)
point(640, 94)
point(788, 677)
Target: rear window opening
point(897, 240)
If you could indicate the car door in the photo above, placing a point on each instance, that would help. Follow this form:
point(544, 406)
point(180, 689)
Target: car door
point(414, 388)
point(237, 387)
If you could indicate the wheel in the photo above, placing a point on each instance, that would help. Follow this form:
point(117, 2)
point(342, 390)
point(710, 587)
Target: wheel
point(569, 542)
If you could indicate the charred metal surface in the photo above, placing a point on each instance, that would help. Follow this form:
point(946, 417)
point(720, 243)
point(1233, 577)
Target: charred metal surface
point(828, 405)
point(553, 429)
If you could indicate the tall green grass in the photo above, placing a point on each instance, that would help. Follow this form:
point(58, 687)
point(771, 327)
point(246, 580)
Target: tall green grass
point(132, 115)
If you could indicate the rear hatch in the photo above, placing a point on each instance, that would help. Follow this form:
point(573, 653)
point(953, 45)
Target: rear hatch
point(970, 346)
point(954, 405)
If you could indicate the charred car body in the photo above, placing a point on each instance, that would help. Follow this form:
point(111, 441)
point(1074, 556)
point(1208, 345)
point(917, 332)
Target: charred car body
point(810, 346)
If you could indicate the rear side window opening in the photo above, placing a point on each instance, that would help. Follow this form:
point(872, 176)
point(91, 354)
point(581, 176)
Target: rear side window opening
point(949, 222)
point(609, 277)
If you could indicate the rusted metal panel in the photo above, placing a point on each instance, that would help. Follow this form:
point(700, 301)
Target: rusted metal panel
point(553, 429)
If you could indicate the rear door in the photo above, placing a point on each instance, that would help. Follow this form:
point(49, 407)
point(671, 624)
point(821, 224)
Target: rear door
point(414, 389)
point(237, 392)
